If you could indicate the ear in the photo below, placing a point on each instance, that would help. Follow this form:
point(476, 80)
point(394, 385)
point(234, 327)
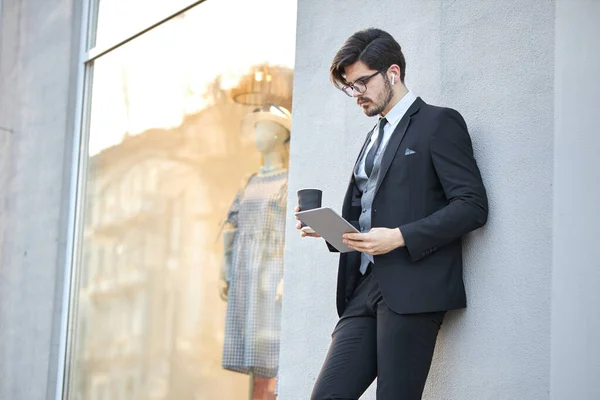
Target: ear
point(394, 72)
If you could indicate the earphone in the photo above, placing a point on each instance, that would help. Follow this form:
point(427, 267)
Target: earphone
point(393, 78)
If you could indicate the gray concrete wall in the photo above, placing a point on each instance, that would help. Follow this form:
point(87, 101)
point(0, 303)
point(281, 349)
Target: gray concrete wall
point(37, 70)
point(492, 60)
point(576, 267)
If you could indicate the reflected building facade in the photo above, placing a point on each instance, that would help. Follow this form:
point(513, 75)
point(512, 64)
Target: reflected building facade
point(150, 318)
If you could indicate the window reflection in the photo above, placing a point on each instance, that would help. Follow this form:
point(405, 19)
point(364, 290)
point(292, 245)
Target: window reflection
point(118, 19)
point(168, 149)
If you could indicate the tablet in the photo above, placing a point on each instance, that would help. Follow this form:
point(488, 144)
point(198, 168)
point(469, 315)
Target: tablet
point(329, 224)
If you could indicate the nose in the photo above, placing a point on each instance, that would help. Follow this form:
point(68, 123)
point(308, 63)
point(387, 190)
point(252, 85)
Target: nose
point(356, 93)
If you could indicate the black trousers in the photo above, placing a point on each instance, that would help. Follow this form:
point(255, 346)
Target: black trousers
point(369, 341)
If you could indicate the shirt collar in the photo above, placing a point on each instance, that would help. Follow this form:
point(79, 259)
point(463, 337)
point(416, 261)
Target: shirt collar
point(401, 107)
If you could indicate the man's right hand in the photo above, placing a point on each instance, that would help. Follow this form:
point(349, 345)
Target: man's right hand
point(299, 227)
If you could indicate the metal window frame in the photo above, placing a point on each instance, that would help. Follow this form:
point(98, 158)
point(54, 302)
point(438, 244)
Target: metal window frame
point(78, 179)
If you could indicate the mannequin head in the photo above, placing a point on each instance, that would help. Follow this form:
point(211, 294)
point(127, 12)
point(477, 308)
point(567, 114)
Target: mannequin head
point(270, 126)
point(270, 136)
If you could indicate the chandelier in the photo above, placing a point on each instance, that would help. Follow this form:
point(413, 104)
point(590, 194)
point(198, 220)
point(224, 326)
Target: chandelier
point(264, 84)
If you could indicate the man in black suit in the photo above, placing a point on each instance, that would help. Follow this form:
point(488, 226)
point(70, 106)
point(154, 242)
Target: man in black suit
point(414, 193)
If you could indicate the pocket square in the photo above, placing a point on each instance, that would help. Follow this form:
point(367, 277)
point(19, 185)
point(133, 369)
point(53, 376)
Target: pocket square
point(408, 152)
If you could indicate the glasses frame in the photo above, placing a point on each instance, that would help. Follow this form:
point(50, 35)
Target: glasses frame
point(351, 88)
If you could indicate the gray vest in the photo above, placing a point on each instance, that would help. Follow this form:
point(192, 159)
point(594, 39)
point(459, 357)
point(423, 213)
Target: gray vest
point(367, 186)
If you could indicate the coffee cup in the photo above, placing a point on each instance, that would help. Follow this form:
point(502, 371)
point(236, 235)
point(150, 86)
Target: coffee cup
point(309, 199)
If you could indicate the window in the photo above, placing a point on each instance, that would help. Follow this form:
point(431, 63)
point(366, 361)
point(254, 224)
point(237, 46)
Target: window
point(167, 145)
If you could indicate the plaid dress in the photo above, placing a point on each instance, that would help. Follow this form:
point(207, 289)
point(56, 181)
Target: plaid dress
point(253, 322)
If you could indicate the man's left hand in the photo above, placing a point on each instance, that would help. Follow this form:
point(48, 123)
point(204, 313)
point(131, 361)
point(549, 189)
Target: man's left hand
point(377, 241)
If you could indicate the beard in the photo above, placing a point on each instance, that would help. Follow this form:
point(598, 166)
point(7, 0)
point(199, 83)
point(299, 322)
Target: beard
point(383, 100)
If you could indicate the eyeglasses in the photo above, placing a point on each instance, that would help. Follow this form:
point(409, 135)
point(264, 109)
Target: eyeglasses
point(360, 85)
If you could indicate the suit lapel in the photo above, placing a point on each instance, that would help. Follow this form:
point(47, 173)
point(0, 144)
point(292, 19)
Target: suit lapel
point(392, 147)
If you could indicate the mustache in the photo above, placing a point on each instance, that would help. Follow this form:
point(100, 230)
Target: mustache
point(361, 99)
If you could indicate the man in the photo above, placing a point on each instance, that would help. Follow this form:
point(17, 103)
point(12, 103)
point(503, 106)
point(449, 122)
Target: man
point(415, 192)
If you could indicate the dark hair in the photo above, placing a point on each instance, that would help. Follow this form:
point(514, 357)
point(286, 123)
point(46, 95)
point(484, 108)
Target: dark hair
point(374, 47)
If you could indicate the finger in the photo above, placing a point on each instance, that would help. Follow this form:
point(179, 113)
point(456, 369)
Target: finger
point(355, 236)
point(361, 246)
point(298, 225)
point(357, 242)
point(297, 208)
point(356, 246)
point(304, 234)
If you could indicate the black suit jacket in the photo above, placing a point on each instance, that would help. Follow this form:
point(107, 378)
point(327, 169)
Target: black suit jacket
point(435, 196)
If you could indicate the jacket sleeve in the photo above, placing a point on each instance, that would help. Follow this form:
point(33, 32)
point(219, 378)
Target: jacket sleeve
point(467, 209)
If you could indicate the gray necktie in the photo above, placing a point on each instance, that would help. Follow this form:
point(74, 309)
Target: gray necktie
point(373, 151)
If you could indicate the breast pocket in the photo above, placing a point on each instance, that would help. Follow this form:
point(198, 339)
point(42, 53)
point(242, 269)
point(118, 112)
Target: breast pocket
point(402, 160)
point(400, 170)
point(407, 153)
point(408, 169)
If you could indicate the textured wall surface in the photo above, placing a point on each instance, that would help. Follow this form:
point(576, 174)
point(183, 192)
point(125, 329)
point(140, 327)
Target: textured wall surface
point(492, 61)
point(576, 267)
point(36, 38)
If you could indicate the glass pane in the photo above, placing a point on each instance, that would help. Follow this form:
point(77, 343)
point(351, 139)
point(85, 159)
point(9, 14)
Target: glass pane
point(118, 19)
point(182, 244)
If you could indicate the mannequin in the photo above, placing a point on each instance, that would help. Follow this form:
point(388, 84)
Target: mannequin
point(253, 239)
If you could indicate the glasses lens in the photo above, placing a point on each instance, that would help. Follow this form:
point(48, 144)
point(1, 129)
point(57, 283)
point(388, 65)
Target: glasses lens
point(360, 87)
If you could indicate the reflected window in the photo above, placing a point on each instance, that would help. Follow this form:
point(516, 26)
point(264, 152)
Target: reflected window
point(186, 192)
point(118, 19)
